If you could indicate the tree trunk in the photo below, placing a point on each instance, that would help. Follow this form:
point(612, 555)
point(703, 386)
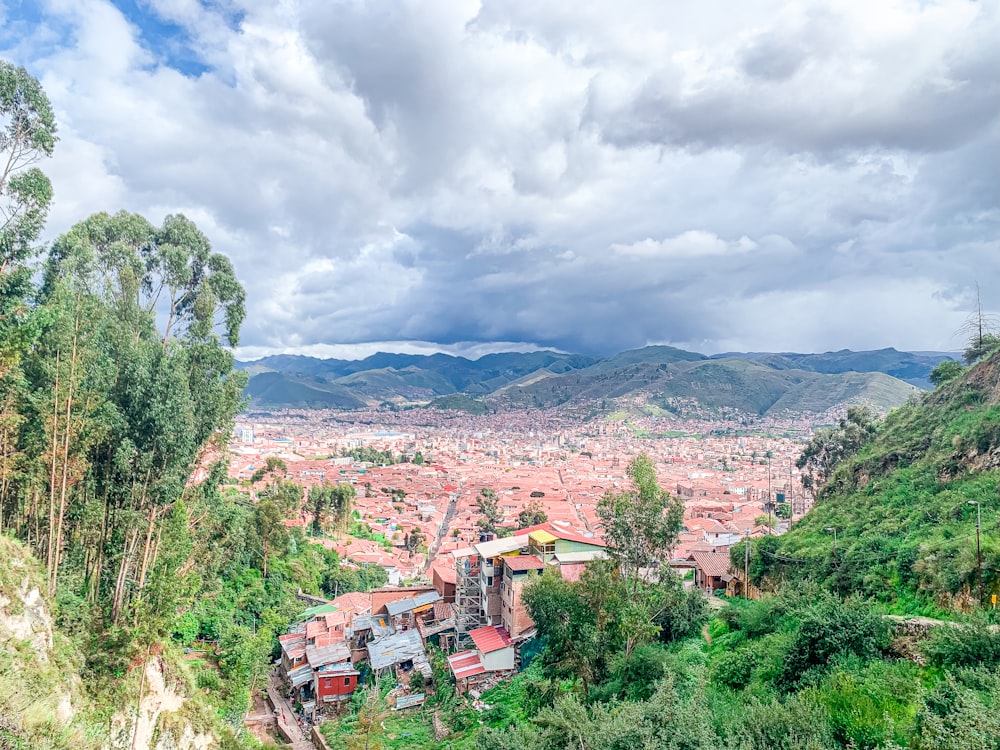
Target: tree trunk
point(123, 569)
point(52, 476)
point(65, 466)
point(146, 549)
point(95, 575)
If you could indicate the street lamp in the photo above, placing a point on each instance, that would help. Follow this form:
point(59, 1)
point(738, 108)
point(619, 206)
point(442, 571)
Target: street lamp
point(834, 530)
point(979, 549)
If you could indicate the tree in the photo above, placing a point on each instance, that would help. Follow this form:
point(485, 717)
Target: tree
point(982, 333)
point(831, 446)
point(272, 466)
point(414, 540)
point(28, 136)
point(342, 505)
point(565, 618)
point(270, 524)
point(946, 371)
point(532, 515)
point(286, 495)
point(487, 505)
point(641, 524)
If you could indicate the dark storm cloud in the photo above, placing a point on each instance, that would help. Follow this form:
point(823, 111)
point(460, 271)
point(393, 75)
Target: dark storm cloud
point(588, 176)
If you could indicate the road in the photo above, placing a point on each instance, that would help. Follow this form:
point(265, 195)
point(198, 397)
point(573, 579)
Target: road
point(449, 513)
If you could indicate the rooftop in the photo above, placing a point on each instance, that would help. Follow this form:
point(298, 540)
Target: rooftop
point(490, 638)
point(521, 563)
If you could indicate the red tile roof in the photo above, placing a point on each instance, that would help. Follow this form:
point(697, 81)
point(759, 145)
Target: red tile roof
point(465, 664)
point(712, 563)
point(520, 563)
point(490, 638)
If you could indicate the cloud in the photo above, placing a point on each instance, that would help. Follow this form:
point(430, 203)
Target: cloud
point(695, 243)
point(577, 175)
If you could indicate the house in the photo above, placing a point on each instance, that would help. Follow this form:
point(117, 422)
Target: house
point(493, 655)
point(479, 599)
point(711, 570)
point(316, 659)
point(516, 571)
point(444, 580)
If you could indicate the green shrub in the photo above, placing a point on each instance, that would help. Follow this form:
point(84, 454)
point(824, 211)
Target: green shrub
point(828, 630)
point(735, 669)
point(971, 645)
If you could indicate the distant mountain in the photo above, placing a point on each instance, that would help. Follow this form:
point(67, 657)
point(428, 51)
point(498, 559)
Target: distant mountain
point(912, 367)
point(696, 386)
point(663, 377)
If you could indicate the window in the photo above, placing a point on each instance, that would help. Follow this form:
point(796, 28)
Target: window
point(347, 682)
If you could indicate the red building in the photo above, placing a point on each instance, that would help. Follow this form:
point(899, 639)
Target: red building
point(335, 684)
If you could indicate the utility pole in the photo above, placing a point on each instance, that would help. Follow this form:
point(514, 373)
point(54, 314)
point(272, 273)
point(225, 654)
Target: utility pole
point(770, 499)
point(979, 549)
point(834, 530)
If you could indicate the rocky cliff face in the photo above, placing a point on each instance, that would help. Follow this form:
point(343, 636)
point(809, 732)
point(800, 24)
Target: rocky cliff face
point(157, 721)
point(37, 687)
point(43, 705)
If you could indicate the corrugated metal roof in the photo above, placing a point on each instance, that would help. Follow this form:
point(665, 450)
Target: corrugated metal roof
point(542, 536)
point(578, 557)
point(408, 605)
point(332, 654)
point(320, 609)
point(496, 547)
point(395, 649)
point(300, 676)
point(490, 638)
point(409, 701)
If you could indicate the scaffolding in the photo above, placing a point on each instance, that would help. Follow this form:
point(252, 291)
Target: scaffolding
point(468, 595)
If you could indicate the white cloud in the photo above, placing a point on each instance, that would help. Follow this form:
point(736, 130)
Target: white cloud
point(580, 175)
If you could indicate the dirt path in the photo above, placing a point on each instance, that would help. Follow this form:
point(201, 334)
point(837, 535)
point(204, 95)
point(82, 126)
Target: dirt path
point(705, 634)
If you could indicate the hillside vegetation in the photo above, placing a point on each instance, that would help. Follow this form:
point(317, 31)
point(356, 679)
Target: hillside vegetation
point(904, 505)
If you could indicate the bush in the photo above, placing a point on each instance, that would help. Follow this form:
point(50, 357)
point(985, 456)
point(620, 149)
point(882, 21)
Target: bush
point(416, 681)
point(971, 645)
point(734, 669)
point(828, 630)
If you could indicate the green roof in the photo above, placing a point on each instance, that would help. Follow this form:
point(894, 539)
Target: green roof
point(320, 609)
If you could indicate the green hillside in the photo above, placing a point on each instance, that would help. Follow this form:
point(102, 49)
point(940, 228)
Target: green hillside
point(683, 382)
point(901, 506)
point(459, 402)
point(275, 388)
point(695, 385)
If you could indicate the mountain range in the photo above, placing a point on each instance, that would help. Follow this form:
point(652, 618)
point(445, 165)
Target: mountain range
point(657, 378)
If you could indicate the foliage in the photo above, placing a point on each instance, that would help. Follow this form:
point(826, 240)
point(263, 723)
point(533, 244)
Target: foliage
point(335, 501)
point(945, 372)
point(832, 446)
point(641, 524)
point(969, 644)
point(532, 515)
point(273, 466)
point(489, 509)
point(829, 630)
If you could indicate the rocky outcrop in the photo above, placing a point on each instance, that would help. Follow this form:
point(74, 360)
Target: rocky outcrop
point(158, 720)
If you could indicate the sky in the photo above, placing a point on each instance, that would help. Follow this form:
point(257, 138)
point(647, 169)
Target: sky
point(590, 176)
